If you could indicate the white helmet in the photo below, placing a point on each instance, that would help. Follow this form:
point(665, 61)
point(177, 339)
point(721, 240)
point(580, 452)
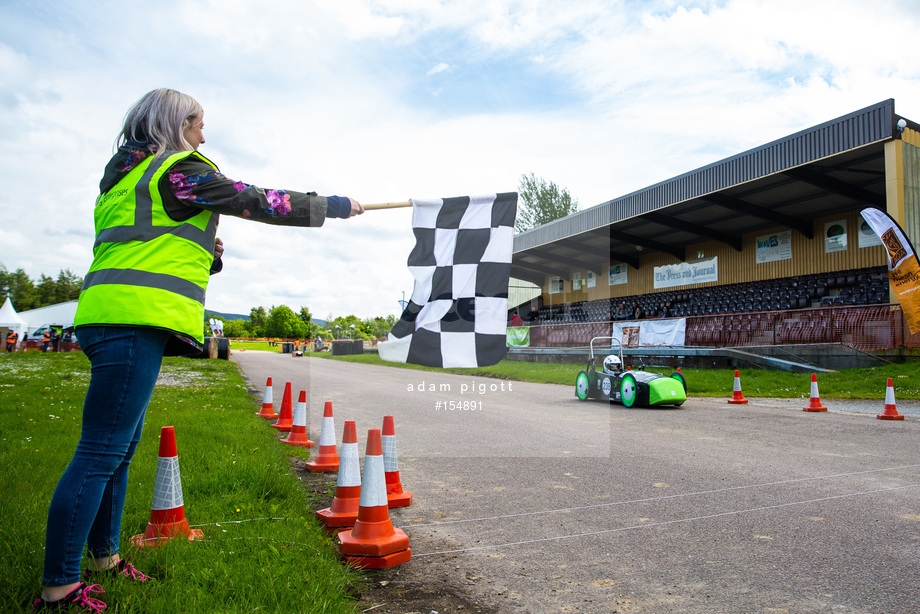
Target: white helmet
point(612, 363)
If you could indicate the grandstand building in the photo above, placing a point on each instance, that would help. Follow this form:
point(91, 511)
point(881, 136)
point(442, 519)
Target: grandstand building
point(763, 249)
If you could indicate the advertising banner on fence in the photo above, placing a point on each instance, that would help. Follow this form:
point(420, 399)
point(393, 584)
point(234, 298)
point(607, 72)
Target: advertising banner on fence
point(518, 336)
point(903, 267)
point(640, 333)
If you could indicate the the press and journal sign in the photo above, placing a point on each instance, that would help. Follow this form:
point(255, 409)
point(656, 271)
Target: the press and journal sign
point(685, 273)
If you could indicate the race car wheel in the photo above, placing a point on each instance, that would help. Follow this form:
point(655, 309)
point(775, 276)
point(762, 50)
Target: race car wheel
point(680, 377)
point(629, 390)
point(582, 386)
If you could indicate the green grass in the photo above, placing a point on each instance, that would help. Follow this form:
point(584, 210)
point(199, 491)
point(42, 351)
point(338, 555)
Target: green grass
point(263, 550)
point(263, 346)
point(847, 384)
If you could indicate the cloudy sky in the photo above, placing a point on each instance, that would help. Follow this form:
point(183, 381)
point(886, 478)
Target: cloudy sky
point(395, 99)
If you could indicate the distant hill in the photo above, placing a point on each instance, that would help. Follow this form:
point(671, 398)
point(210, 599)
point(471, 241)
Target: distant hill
point(238, 316)
point(226, 316)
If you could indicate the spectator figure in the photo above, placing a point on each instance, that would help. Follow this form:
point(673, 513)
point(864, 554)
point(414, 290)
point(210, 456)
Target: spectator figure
point(127, 321)
point(11, 339)
point(533, 316)
point(516, 320)
point(664, 313)
point(622, 312)
point(635, 312)
point(46, 340)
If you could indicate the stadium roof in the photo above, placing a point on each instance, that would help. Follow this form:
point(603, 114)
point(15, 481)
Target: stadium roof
point(831, 168)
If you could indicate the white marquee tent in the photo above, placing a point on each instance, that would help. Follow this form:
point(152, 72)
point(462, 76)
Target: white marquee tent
point(61, 314)
point(9, 319)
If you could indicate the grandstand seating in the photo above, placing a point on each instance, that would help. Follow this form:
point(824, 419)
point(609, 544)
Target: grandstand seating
point(868, 286)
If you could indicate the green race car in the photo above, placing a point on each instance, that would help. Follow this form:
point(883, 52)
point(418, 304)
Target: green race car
point(630, 388)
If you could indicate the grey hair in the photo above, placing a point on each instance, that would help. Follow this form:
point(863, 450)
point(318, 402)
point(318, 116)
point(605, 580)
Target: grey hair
point(160, 118)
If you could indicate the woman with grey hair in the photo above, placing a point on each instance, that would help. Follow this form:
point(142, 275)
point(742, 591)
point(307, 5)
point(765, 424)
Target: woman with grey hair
point(143, 298)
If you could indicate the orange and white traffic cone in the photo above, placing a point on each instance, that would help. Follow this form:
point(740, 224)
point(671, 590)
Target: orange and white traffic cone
point(298, 433)
point(167, 513)
point(396, 497)
point(268, 408)
point(814, 404)
point(327, 459)
point(373, 543)
point(891, 410)
point(344, 509)
point(737, 397)
point(286, 417)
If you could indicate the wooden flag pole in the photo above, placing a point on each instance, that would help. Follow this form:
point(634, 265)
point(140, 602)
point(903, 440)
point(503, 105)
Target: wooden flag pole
point(406, 203)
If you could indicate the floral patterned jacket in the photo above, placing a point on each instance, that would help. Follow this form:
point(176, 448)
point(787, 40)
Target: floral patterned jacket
point(191, 185)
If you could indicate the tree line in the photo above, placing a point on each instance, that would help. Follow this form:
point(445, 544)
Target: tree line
point(27, 294)
point(283, 322)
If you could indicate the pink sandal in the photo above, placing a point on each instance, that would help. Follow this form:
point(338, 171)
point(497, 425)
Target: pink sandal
point(122, 568)
point(78, 597)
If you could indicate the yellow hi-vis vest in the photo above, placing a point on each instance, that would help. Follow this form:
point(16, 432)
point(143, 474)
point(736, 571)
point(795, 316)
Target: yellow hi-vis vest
point(148, 269)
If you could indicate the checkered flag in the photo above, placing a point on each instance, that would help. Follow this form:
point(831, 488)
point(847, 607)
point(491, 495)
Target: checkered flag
point(461, 264)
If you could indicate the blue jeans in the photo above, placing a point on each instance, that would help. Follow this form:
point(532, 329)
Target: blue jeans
point(87, 505)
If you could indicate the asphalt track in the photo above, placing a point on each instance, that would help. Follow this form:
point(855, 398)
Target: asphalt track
point(527, 500)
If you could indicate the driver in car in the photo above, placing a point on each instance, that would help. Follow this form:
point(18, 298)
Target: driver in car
point(612, 365)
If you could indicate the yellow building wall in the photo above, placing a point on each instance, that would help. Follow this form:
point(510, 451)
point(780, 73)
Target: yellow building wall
point(910, 159)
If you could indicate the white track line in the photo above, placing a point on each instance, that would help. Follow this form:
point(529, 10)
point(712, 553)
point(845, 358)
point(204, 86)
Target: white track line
point(662, 498)
point(665, 523)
